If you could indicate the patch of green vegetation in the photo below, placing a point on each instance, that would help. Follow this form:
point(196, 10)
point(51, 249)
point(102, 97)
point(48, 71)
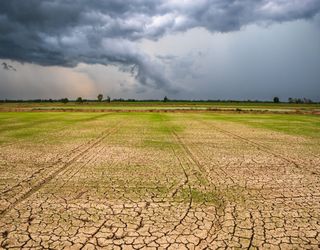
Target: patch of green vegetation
point(202, 179)
point(160, 126)
point(30, 133)
point(199, 196)
point(161, 144)
point(235, 194)
point(159, 117)
point(301, 125)
point(30, 126)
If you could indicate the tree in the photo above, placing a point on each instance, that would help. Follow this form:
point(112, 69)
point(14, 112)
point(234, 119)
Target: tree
point(290, 100)
point(79, 100)
point(308, 101)
point(276, 99)
point(100, 97)
point(108, 99)
point(64, 100)
point(165, 99)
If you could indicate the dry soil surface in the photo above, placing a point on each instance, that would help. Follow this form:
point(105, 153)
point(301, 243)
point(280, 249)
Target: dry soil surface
point(152, 185)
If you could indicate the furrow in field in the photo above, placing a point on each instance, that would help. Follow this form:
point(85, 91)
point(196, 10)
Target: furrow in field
point(193, 158)
point(61, 165)
point(187, 181)
point(43, 170)
point(244, 216)
point(268, 159)
point(215, 222)
point(295, 162)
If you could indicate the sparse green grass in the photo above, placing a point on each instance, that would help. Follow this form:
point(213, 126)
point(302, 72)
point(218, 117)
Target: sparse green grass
point(199, 196)
point(300, 125)
point(170, 172)
point(32, 127)
point(29, 126)
point(142, 133)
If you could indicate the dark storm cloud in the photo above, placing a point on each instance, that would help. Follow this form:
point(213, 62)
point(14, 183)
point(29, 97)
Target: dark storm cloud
point(67, 32)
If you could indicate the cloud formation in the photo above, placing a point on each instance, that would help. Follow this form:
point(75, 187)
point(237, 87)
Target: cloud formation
point(7, 66)
point(65, 32)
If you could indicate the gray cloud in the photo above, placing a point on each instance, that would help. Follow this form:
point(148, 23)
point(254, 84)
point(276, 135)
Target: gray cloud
point(7, 66)
point(65, 32)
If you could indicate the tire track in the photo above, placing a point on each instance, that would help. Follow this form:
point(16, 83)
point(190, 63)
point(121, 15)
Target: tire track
point(219, 173)
point(181, 219)
point(60, 160)
point(193, 159)
point(190, 198)
point(41, 170)
point(72, 172)
point(217, 223)
point(72, 158)
point(260, 147)
point(269, 151)
point(183, 216)
point(49, 163)
point(189, 190)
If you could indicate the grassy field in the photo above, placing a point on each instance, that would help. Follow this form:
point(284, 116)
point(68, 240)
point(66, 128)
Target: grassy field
point(30, 125)
point(181, 180)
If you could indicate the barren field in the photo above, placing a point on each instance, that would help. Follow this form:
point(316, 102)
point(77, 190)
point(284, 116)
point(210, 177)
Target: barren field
point(159, 180)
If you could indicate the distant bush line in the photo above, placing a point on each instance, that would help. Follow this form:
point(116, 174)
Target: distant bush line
point(166, 100)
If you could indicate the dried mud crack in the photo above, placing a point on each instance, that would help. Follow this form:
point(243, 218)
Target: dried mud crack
point(161, 181)
point(58, 166)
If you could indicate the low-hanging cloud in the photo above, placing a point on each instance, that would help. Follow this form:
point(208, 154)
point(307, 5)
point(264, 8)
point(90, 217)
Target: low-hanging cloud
point(65, 32)
point(7, 66)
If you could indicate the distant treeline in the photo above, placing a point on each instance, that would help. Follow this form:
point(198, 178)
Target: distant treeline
point(165, 99)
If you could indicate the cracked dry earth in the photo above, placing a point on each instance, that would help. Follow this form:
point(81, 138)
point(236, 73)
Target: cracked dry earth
point(161, 181)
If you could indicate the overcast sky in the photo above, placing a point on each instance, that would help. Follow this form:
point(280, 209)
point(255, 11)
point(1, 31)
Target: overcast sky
point(204, 49)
